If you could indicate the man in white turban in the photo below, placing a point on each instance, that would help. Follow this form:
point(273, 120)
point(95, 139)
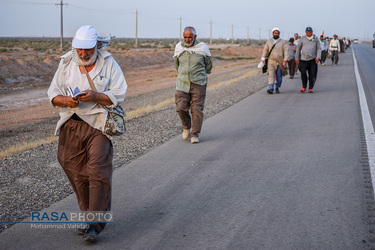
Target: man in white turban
point(276, 52)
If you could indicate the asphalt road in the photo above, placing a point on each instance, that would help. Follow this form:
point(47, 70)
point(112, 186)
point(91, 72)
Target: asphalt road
point(271, 172)
point(366, 60)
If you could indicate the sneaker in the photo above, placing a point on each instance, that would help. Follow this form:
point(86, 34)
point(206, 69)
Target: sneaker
point(310, 91)
point(91, 235)
point(270, 91)
point(277, 91)
point(185, 134)
point(303, 90)
point(291, 77)
point(194, 140)
point(323, 64)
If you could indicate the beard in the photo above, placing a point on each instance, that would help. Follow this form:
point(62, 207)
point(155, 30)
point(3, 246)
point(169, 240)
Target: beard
point(276, 37)
point(79, 60)
point(190, 44)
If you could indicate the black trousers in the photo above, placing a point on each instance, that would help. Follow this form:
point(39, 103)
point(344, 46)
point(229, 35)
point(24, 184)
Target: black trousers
point(310, 68)
point(324, 56)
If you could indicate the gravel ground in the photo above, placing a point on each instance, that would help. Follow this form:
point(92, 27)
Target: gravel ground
point(33, 179)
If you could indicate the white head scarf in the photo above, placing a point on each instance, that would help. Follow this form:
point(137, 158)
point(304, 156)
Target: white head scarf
point(276, 28)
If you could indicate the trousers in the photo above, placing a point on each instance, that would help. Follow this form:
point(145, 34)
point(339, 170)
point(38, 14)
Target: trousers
point(335, 56)
point(292, 66)
point(86, 155)
point(193, 101)
point(323, 56)
point(311, 68)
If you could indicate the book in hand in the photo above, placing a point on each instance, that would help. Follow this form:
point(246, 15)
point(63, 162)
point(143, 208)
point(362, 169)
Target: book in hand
point(75, 93)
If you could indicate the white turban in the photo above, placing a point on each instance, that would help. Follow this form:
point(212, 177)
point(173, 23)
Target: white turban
point(276, 28)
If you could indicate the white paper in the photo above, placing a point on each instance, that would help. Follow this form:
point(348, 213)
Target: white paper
point(75, 93)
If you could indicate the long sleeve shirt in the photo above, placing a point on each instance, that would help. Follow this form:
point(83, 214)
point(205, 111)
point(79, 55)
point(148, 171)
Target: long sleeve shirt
point(323, 45)
point(334, 45)
point(192, 68)
point(291, 51)
point(279, 52)
point(308, 49)
point(108, 79)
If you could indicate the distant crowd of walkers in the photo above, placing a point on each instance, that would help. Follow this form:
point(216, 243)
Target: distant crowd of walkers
point(300, 53)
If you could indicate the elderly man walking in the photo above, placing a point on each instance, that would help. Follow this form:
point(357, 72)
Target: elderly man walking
point(276, 52)
point(308, 56)
point(193, 62)
point(85, 152)
point(334, 48)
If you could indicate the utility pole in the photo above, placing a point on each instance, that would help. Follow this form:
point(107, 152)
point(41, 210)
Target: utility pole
point(232, 34)
point(61, 24)
point(259, 34)
point(248, 37)
point(180, 28)
point(136, 28)
point(211, 32)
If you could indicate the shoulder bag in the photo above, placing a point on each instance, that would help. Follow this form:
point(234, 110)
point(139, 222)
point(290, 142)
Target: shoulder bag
point(265, 67)
point(115, 123)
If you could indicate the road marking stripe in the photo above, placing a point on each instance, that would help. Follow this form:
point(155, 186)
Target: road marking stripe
point(367, 122)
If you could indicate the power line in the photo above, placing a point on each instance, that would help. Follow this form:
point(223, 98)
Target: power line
point(25, 2)
point(218, 25)
point(100, 10)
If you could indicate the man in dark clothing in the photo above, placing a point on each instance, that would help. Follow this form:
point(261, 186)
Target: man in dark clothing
point(308, 56)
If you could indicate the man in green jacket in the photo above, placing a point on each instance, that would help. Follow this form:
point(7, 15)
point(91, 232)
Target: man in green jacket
point(193, 62)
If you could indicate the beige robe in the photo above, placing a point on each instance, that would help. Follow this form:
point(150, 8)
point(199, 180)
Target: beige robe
point(278, 54)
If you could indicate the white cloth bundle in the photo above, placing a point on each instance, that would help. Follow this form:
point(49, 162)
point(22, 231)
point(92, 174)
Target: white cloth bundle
point(260, 65)
point(201, 48)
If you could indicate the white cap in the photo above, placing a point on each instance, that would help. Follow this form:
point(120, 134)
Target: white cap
point(85, 38)
point(276, 28)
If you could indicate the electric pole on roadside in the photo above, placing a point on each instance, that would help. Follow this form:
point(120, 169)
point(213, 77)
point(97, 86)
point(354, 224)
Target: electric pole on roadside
point(211, 32)
point(61, 24)
point(232, 34)
point(136, 28)
point(259, 34)
point(248, 37)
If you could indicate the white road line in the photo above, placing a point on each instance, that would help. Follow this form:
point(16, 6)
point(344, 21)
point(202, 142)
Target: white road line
point(367, 123)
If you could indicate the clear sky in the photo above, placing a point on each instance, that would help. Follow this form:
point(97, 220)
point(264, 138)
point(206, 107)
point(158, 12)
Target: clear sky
point(161, 19)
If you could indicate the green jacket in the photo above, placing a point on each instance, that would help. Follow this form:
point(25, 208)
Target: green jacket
point(191, 68)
